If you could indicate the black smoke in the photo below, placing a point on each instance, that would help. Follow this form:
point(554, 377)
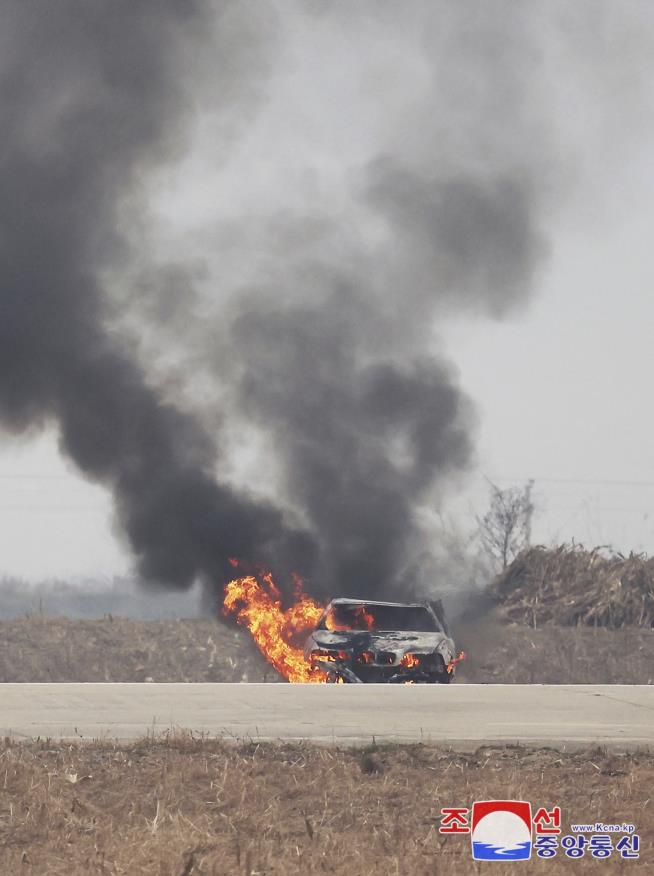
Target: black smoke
point(90, 97)
point(332, 353)
point(336, 354)
point(366, 417)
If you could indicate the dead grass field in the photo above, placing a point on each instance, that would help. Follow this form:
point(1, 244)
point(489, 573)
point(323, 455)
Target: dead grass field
point(46, 649)
point(40, 648)
point(517, 654)
point(185, 807)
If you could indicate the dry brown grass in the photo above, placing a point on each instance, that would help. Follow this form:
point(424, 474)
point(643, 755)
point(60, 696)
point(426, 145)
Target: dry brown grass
point(569, 585)
point(185, 807)
point(49, 649)
point(515, 654)
point(41, 648)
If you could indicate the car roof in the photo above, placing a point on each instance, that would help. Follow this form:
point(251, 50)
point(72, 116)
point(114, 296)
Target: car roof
point(342, 600)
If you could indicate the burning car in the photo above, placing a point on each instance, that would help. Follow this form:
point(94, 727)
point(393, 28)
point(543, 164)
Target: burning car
point(362, 641)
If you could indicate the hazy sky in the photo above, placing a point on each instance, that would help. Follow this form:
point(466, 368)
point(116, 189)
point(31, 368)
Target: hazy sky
point(561, 383)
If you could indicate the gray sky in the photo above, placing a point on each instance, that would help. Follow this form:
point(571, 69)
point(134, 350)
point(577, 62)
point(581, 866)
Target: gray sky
point(561, 384)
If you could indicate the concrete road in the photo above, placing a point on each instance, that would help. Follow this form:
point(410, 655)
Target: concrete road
point(618, 716)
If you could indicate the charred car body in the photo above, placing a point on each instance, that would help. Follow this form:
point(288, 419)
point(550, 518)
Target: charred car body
point(361, 641)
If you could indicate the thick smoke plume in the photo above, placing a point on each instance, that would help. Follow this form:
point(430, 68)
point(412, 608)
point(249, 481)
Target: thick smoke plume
point(330, 349)
point(90, 96)
point(336, 354)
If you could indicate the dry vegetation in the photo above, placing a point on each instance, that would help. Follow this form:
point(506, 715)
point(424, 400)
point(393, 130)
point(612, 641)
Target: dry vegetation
point(53, 649)
point(39, 648)
point(572, 586)
point(185, 807)
point(515, 654)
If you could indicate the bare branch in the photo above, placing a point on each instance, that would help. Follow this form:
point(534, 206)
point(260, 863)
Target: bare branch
point(505, 529)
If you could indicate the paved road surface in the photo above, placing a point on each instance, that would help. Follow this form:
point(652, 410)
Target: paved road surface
point(464, 715)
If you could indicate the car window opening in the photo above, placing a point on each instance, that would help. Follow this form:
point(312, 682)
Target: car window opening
point(378, 618)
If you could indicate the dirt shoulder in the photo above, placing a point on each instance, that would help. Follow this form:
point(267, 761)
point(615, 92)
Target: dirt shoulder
point(42, 649)
point(180, 806)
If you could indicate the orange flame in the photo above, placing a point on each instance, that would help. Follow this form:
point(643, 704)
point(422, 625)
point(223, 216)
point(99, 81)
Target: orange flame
point(359, 613)
point(257, 605)
point(450, 666)
point(365, 616)
point(410, 660)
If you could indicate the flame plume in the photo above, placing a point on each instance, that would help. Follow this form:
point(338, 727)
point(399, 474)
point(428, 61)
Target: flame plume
point(359, 615)
point(452, 664)
point(257, 605)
